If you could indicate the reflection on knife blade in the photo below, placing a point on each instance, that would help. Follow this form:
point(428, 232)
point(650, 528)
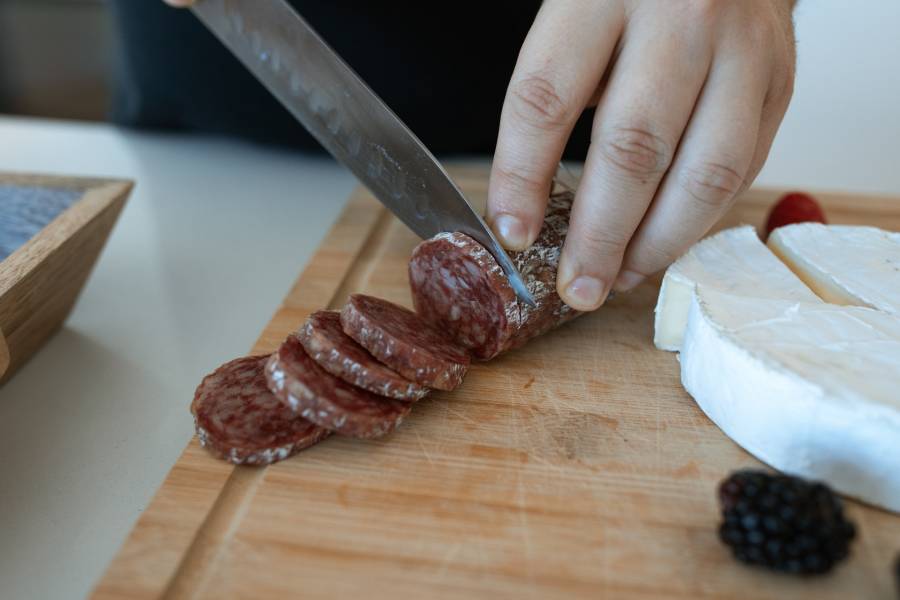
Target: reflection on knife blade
point(349, 119)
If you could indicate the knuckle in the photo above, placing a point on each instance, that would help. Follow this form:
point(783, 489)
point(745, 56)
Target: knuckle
point(636, 150)
point(602, 244)
point(538, 101)
point(520, 180)
point(711, 184)
point(653, 256)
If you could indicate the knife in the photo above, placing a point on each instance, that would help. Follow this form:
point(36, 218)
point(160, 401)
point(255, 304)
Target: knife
point(349, 119)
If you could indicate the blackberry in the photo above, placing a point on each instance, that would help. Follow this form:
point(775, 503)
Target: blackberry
point(783, 523)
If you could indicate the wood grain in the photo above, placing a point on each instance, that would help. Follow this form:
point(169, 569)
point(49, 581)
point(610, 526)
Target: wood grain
point(574, 467)
point(41, 280)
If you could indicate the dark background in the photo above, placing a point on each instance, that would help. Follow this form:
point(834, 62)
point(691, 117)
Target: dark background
point(443, 67)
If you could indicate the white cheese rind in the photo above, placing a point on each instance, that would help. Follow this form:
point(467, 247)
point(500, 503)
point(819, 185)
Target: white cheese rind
point(733, 261)
point(843, 264)
point(809, 389)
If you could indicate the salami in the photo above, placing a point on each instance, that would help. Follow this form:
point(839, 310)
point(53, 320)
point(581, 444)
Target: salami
point(339, 354)
point(238, 419)
point(402, 340)
point(459, 288)
point(313, 393)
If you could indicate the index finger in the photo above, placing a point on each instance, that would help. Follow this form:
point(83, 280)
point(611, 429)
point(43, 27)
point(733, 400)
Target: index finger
point(558, 69)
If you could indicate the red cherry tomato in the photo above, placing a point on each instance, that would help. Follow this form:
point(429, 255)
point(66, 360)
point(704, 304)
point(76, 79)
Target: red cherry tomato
point(795, 207)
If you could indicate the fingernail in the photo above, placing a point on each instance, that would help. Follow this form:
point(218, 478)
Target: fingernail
point(511, 231)
point(584, 293)
point(627, 281)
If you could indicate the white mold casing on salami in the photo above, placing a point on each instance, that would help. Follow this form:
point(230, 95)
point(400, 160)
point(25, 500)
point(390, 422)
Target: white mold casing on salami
point(460, 288)
point(405, 342)
point(313, 393)
point(238, 419)
point(339, 354)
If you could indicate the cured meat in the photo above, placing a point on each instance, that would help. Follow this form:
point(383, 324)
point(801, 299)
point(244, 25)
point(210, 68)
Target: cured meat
point(339, 354)
point(403, 341)
point(459, 288)
point(238, 419)
point(313, 393)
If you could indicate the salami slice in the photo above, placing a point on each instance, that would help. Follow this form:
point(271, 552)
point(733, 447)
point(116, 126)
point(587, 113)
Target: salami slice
point(238, 419)
point(313, 393)
point(403, 341)
point(339, 354)
point(459, 288)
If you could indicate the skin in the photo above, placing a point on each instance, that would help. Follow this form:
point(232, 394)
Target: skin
point(689, 96)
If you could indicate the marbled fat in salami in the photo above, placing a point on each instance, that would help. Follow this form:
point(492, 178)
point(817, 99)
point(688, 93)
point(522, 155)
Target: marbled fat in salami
point(459, 288)
point(405, 342)
point(339, 354)
point(313, 393)
point(238, 419)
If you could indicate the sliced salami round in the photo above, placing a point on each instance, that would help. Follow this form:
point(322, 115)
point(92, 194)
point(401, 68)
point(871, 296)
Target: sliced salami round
point(339, 354)
point(313, 393)
point(403, 341)
point(458, 287)
point(238, 419)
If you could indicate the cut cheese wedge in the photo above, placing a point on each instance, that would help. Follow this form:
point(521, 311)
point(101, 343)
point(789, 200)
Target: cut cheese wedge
point(805, 385)
point(733, 261)
point(843, 264)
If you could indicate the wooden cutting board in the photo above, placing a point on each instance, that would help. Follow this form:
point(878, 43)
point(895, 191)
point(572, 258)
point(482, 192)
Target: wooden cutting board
point(574, 467)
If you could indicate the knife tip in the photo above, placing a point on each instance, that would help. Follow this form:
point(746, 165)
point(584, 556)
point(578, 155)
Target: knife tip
point(521, 291)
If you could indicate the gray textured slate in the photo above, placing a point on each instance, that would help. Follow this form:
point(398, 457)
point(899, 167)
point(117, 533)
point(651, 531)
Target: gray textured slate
point(25, 210)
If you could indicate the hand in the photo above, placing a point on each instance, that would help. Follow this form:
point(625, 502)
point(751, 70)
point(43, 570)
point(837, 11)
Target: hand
point(179, 3)
point(689, 95)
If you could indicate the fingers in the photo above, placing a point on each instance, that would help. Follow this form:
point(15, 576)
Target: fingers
point(179, 3)
point(773, 113)
point(724, 148)
point(711, 167)
point(776, 104)
point(639, 121)
point(561, 62)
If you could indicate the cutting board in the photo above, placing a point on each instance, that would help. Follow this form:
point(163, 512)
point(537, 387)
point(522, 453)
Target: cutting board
point(576, 466)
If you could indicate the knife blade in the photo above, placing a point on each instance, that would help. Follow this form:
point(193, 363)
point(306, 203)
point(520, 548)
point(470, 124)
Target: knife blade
point(334, 104)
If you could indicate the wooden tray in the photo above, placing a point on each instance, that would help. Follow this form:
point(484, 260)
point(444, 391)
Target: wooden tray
point(576, 466)
point(40, 281)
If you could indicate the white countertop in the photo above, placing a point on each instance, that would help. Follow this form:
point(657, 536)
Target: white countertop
point(210, 241)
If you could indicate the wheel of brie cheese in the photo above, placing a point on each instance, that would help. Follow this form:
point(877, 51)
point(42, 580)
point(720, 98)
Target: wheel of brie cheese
point(795, 354)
